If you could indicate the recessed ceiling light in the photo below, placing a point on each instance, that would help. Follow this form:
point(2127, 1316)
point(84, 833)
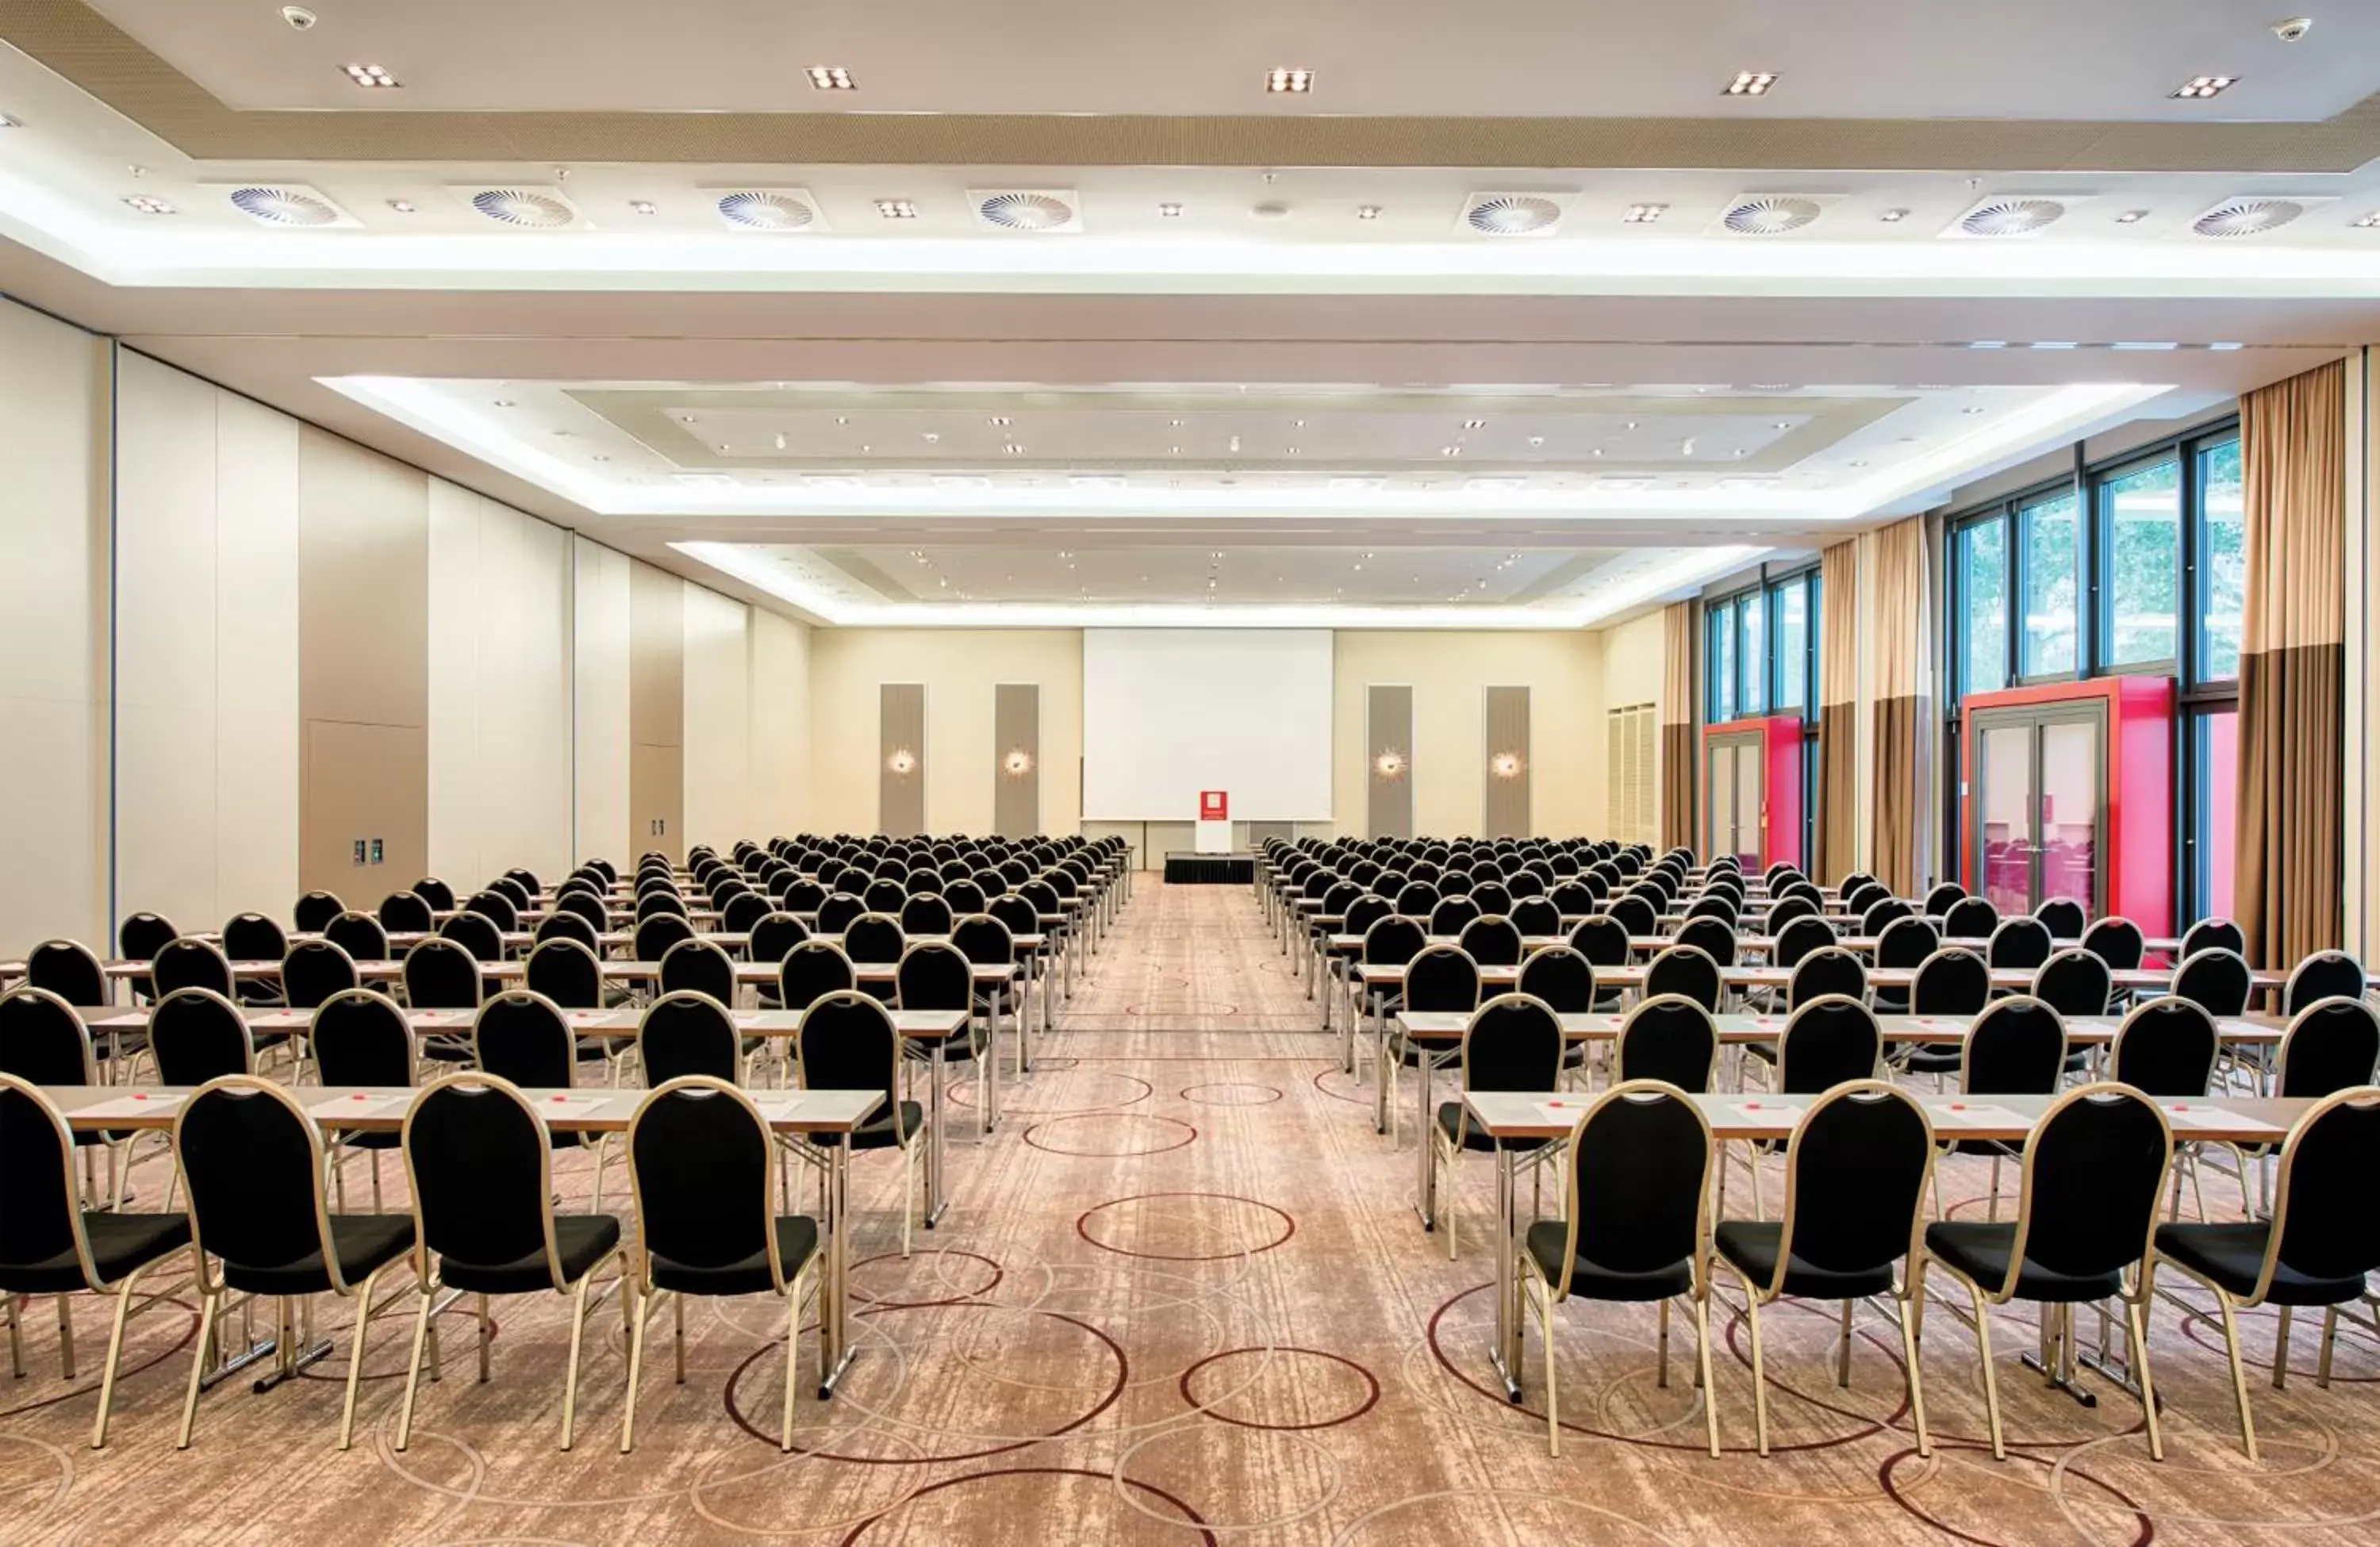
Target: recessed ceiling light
point(897, 208)
point(1475, 424)
point(1013, 449)
point(402, 206)
point(505, 403)
point(781, 441)
point(1367, 211)
point(1970, 410)
point(1289, 78)
point(932, 436)
point(9, 121)
point(996, 419)
point(1169, 209)
point(2132, 217)
point(1644, 215)
point(2201, 85)
point(147, 205)
point(1750, 83)
point(1893, 216)
point(1450, 451)
point(1631, 424)
point(1177, 451)
point(643, 206)
point(2368, 222)
point(1537, 440)
point(831, 78)
point(369, 75)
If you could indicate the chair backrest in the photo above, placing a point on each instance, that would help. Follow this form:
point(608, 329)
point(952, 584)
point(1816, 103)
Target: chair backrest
point(1858, 897)
point(2020, 942)
point(743, 910)
point(1938, 900)
point(701, 967)
point(1639, 1190)
point(1712, 935)
point(685, 1032)
point(1800, 934)
point(252, 1164)
point(933, 975)
point(812, 970)
point(656, 933)
point(438, 974)
point(2093, 1171)
point(476, 933)
point(195, 1034)
point(480, 1165)
point(1634, 913)
point(1017, 912)
point(836, 913)
point(68, 968)
point(2216, 977)
point(1855, 1173)
point(1417, 899)
point(1830, 969)
point(1970, 919)
point(140, 937)
point(566, 972)
point(1394, 941)
point(361, 935)
point(1671, 1038)
point(802, 895)
point(847, 1042)
point(1441, 977)
point(884, 897)
point(2323, 1226)
point(563, 924)
point(873, 938)
point(983, 940)
point(1826, 1043)
point(2017, 1047)
point(360, 1037)
point(41, 1226)
point(1951, 981)
point(1452, 915)
point(1686, 969)
point(1493, 897)
point(1365, 911)
point(498, 906)
point(586, 906)
point(408, 911)
point(434, 892)
point(927, 913)
point(1601, 939)
point(2322, 975)
point(187, 963)
point(313, 970)
point(1906, 942)
point(2117, 942)
point(2062, 917)
point(2166, 1047)
point(1492, 940)
point(2331, 1045)
point(1717, 904)
point(42, 1040)
point(773, 935)
point(2211, 933)
point(520, 1035)
point(315, 911)
point(661, 901)
point(964, 895)
point(1559, 976)
point(1514, 1043)
point(703, 1168)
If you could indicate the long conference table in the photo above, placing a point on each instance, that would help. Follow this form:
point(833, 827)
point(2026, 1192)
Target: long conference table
point(1760, 1115)
point(374, 1109)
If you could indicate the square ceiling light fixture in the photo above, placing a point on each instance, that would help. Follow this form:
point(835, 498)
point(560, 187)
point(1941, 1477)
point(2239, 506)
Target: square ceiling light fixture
point(1293, 79)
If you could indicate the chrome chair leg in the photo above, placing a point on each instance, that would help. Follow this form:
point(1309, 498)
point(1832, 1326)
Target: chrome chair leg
point(115, 1357)
point(428, 1293)
point(570, 1377)
point(2238, 1375)
point(355, 1362)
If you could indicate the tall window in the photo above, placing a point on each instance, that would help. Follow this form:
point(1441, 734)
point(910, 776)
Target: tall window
point(1761, 658)
point(1790, 607)
point(1981, 623)
point(2051, 534)
point(2222, 599)
point(2139, 523)
point(1751, 654)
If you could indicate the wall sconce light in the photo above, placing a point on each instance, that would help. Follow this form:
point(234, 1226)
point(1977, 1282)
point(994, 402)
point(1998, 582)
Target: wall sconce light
point(1018, 762)
point(1506, 765)
point(902, 761)
point(1390, 764)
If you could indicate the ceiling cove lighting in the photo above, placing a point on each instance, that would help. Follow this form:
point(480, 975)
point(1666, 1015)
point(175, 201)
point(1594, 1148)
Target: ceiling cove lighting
point(2200, 87)
point(1291, 78)
point(1750, 83)
point(831, 78)
point(374, 76)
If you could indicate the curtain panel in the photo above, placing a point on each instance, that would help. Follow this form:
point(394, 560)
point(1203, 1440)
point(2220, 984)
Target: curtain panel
point(1836, 833)
point(1678, 759)
point(1897, 805)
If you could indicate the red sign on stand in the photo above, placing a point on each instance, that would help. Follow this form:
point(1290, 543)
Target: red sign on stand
point(1214, 805)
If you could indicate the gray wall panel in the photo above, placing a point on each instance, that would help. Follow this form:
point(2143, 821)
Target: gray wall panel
point(1016, 759)
point(1506, 762)
point(901, 759)
point(1389, 738)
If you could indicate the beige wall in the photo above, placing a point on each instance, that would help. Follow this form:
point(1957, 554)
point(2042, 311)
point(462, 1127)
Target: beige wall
point(779, 684)
point(960, 668)
point(1635, 670)
point(717, 706)
point(600, 683)
point(54, 470)
point(1449, 673)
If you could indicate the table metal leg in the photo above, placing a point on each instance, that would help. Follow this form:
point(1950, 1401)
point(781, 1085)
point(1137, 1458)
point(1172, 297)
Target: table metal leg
point(991, 1061)
point(1426, 1176)
point(1508, 1319)
point(935, 1201)
point(1379, 1067)
point(834, 1326)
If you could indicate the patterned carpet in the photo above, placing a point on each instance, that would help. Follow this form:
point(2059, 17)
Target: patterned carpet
point(1182, 1296)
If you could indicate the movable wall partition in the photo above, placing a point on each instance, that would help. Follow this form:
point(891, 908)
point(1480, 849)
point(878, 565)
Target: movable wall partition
point(1016, 768)
point(1388, 747)
point(1506, 718)
point(901, 768)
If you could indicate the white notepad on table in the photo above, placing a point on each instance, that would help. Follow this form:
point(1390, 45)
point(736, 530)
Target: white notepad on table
point(2190, 1115)
point(139, 1106)
point(1565, 1113)
point(1975, 1114)
point(352, 1106)
point(779, 1108)
point(571, 1106)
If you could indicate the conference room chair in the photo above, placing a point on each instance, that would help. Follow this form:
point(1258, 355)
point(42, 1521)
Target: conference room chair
point(925, 913)
point(2216, 979)
point(2213, 934)
point(44, 1041)
point(1669, 1039)
point(1634, 913)
point(2020, 942)
point(1450, 916)
point(313, 970)
point(1826, 1043)
point(846, 1041)
point(1438, 979)
point(69, 970)
point(874, 940)
point(1417, 899)
point(1536, 916)
point(965, 896)
point(1601, 939)
point(1689, 970)
point(2315, 1249)
point(1492, 940)
point(2016, 1047)
point(1528, 881)
point(480, 935)
point(587, 905)
point(254, 1164)
point(1716, 905)
point(689, 1032)
point(1635, 1227)
point(566, 971)
point(2074, 982)
point(1883, 913)
point(1564, 979)
point(2330, 1045)
point(802, 895)
point(1828, 971)
point(835, 914)
point(1952, 980)
point(884, 897)
point(2062, 917)
point(1799, 935)
point(2086, 1215)
point(704, 1171)
point(661, 903)
point(315, 911)
point(524, 878)
point(2169, 1048)
point(605, 870)
point(195, 1034)
point(51, 1245)
point(936, 975)
point(986, 942)
point(1940, 899)
point(2322, 975)
point(1786, 911)
point(2116, 941)
point(560, 924)
point(1904, 942)
point(436, 893)
point(360, 1038)
point(440, 974)
point(522, 1036)
point(657, 932)
point(1858, 897)
point(740, 912)
point(187, 962)
point(1970, 919)
point(406, 912)
point(254, 937)
point(496, 906)
point(810, 972)
point(1491, 897)
point(698, 965)
point(1856, 1175)
point(1514, 1043)
point(1574, 898)
point(1711, 934)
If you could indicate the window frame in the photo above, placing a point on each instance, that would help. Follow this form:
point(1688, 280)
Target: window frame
point(1724, 613)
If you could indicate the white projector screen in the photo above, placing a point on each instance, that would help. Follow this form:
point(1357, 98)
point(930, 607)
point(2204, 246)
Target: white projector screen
point(1170, 711)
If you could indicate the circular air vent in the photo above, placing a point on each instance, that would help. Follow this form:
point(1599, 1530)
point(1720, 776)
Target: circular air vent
point(282, 206)
point(521, 207)
point(2011, 217)
point(766, 211)
point(1768, 215)
point(1511, 214)
point(1026, 212)
point(2247, 217)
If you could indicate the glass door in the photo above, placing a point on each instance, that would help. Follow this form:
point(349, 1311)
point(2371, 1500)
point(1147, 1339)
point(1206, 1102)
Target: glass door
point(2039, 806)
point(1734, 765)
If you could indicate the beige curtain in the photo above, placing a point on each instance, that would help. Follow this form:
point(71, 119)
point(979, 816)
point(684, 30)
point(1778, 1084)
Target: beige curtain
point(1835, 839)
point(2289, 864)
point(1678, 695)
point(1898, 804)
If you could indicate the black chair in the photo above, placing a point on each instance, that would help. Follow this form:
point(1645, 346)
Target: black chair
point(407, 913)
point(1904, 942)
point(846, 1041)
point(2062, 917)
point(1712, 936)
point(1634, 1227)
point(51, 1245)
point(360, 1037)
point(520, 1035)
point(1800, 937)
point(1438, 980)
point(704, 1170)
point(1514, 1043)
point(195, 1034)
point(1938, 900)
point(2073, 981)
point(1492, 940)
point(2095, 1171)
point(69, 970)
point(661, 902)
point(1491, 897)
point(561, 924)
point(1856, 1170)
point(139, 938)
point(2316, 1249)
point(1970, 919)
point(2213, 934)
point(2216, 979)
point(1563, 979)
point(438, 974)
point(1784, 911)
point(2166, 1048)
point(937, 974)
point(360, 935)
point(253, 1160)
point(434, 892)
point(2117, 942)
point(1634, 913)
point(2324, 975)
point(190, 963)
point(499, 907)
point(1883, 913)
point(2020, 942)
point(927, 913)
point(810, 972)
point(698, 966)
point(688, 1032)
point(884, 897)
point(567, 972)
point(1670, 1040)
point(313, 971)
point(874, 940)
point(740, 912)
point(1689, 970)
point(315, 911)
point(1830, 970)
point(587, 905)
point(2331, 1045)
point(1450, 916)
point(655, 934)
point(2016, 1047)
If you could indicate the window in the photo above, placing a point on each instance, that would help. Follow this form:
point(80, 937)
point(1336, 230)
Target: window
point(1761, 658)
point(2140, 517)
point(1719, 700)
point(2222, 567)
point(1752, 655)
point(1790, 606)
point(2050, 534)
point(2214, 757)
point(1983, 619)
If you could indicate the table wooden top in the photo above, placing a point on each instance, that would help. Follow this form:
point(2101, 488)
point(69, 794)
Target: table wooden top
point(120, 1019)
point(761, 974)
point(1447, 1026)
point(2148, 980)
point(381, 1109)
point(1759, 1114)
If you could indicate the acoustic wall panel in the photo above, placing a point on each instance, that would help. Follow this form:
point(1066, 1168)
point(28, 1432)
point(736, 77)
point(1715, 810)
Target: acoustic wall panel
point(901, 759)
point(1507, 720)
point(1016, 758)
point(1389, 751)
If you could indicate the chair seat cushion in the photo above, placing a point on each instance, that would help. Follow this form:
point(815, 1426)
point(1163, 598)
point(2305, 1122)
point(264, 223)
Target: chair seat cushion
point(1980, 1250)
point(796, 1241)
point(580, 1241)
point(1450, 1121)
point(119, 1243)
point(363, 1242)
point(1545, 1242)
point(876, 1132)
point(2233, 1255)
point(1751, 1246)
